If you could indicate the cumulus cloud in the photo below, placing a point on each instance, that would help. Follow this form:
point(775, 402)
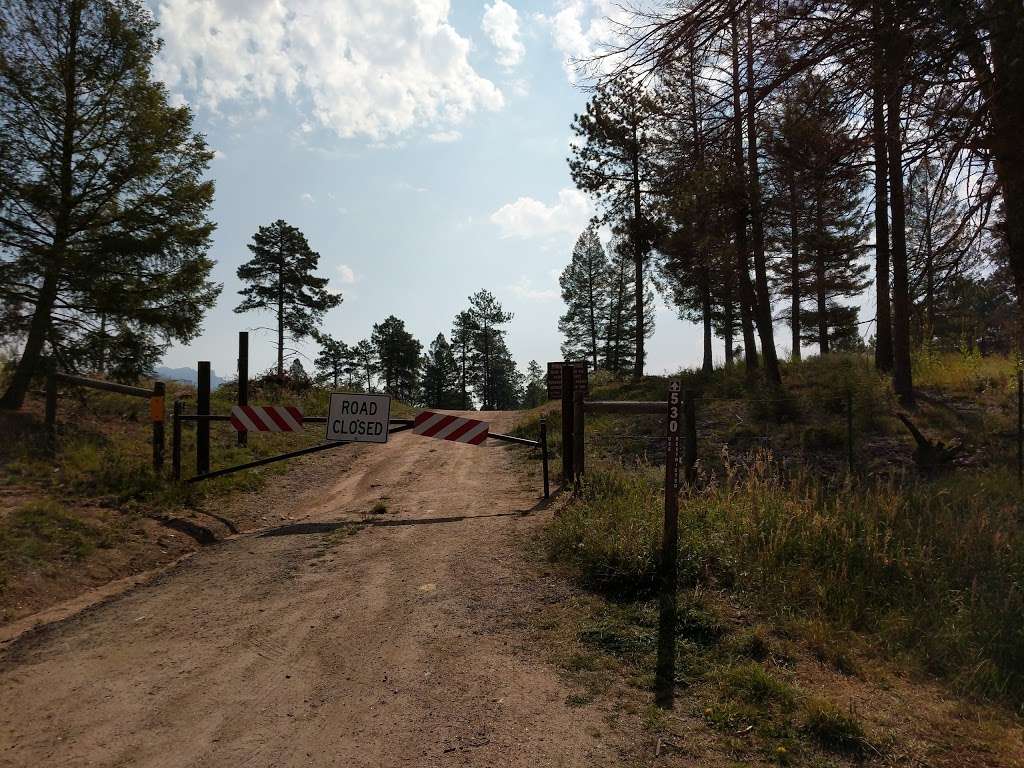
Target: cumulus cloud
point(527, 217)
point(581, 28)
point(524, 289)
point(346, 275)
point(501, 25)
point(444, 137)
point(307, 198)
point(370, 68)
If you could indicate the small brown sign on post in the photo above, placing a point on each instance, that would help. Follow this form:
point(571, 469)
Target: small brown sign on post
point(581, 380)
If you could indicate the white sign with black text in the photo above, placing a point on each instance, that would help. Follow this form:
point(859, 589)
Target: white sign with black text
point(356, 418)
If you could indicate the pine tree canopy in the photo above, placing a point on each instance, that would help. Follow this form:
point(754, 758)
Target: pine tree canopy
point(280, 277)
point(584, 284)
point(103, 207)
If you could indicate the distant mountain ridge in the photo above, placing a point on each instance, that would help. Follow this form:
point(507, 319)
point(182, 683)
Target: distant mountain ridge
point(188, 375)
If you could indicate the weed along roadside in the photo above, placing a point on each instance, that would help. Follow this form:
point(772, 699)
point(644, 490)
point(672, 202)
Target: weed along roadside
point(821, 615)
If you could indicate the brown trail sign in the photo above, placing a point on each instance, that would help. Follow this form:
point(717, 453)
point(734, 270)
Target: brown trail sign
point(581, 381)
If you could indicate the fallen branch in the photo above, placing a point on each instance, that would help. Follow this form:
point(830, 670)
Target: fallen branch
point(931, 455)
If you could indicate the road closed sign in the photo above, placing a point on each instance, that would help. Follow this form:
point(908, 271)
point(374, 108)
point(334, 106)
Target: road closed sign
point(358, 418)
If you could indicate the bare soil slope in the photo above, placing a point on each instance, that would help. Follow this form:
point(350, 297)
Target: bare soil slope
point(338, 637)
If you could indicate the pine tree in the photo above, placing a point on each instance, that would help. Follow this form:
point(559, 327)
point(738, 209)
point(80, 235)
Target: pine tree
point(280, 278)
point(398, 356)
point(536, 386)
point(490, 355)
point(333, 360)
point(441, 376)
point(365, 365)
point(619, 346)
point(297, 376)
point(584, 284)
point(939, 246)
point(820, 184)
point(103, 207)
point(613, 162)
point(463, 333)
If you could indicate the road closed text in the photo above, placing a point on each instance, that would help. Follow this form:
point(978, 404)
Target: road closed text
point(358, 418)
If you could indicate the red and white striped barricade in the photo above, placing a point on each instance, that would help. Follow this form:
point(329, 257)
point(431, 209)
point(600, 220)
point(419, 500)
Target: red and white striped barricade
point(266, 418)
point(455, 428)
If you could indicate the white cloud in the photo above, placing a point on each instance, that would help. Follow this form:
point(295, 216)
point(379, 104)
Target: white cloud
point(372, 68)
point(582, 28)
point(306, 198)
point(444, 137)
point(346, 274)
point(528, 217)
point(501, 25)
point(524, 290)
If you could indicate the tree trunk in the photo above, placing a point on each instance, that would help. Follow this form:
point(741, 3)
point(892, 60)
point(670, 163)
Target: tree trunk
point(819, 277)
point(883, 315)
point(705, 311)
point(763, 308)
point(39, 328)
point(728, 321)
point(638, 260)
point(902, 379)
point(794, 267)
point(742, 244)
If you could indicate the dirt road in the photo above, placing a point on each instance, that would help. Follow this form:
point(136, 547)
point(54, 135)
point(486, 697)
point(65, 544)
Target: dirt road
point(321, 642)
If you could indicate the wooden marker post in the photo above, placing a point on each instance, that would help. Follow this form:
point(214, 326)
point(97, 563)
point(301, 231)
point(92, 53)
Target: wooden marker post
point(568, 424)
point(665, 672)
point(176, 442)
point(544, 453)
point(243, 378)
point(156, 415)
point(578, 428)
point(203, 425)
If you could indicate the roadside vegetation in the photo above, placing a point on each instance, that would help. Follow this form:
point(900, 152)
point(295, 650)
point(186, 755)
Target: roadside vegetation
point(787, 559)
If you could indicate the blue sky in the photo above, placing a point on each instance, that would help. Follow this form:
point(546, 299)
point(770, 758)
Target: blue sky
point(420, 145)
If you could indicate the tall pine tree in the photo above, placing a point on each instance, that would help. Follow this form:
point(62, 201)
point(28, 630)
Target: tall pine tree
point(280, 278)
point(441, 376)
point(398, 356)
point(103, 207)
point(584, 284)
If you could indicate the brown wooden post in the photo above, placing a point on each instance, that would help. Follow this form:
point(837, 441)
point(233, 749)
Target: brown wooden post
point(690, 435)
point(51, 405)
point(568, 422)
point(243, 378)
point(156, 415)
point(544, 453)
point(203, 425)
point(578, 428)
point(176, 442)
point(665, 672)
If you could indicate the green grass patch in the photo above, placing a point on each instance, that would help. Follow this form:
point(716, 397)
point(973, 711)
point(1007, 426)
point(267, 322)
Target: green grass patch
point(45, 531)
point(834, 729)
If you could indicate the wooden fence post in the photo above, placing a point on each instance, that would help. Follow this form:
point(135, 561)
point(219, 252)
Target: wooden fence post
point(544, 453)
point(156, 415)
point(203, 425)
point(665, 672)
point(567, 424)
point(578, 427)
point(243, 379)
point(176, 442)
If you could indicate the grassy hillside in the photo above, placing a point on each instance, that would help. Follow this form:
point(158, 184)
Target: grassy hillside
point(879, 572)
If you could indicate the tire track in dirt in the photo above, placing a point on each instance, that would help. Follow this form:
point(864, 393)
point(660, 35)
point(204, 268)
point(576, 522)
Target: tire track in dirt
point(396, 645)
